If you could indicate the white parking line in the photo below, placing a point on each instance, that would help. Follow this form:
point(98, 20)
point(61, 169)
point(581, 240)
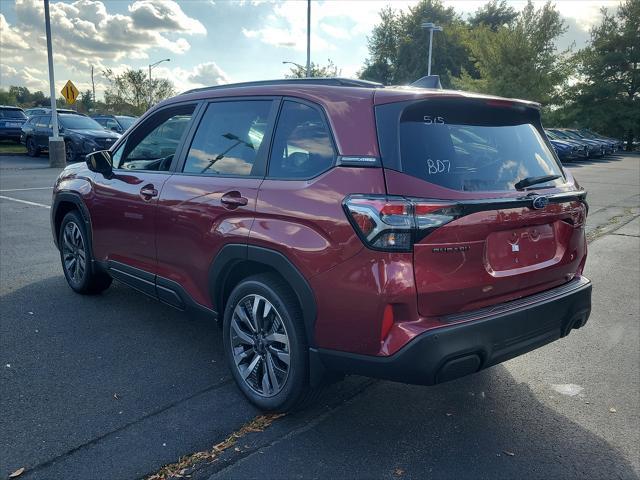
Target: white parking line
point(24, 189)
point(25, 202)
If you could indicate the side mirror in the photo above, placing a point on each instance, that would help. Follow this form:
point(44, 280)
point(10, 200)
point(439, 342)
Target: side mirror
point(100, 162)
point(116, 129)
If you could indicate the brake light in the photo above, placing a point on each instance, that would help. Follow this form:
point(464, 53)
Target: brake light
point(392, 223)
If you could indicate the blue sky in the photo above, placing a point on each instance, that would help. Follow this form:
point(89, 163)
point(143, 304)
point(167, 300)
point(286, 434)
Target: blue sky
point(208, 42)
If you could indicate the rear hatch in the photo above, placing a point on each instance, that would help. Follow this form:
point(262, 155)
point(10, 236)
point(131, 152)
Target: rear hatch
point(486, 236)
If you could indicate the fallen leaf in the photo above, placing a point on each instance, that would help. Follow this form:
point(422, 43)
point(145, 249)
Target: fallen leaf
point(511, 454)
point(612, 410)
point(448, 414)
point(116, 396)
point(17, 473)
point(399, 472)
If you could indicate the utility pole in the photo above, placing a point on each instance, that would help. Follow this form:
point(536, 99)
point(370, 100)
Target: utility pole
point(56, 144)
point(308, 38)
point(431, 27)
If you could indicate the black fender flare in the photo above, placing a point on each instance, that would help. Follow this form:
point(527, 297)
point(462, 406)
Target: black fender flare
point(233, 254)
point(76, 199)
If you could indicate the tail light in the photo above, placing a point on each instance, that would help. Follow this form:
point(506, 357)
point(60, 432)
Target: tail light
point(393, 223)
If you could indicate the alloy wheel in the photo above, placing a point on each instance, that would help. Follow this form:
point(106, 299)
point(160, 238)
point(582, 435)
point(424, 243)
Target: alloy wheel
point(73, 252)
point(260, 345)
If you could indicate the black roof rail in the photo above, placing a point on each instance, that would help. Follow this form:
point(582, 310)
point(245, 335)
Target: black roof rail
point(330, 81)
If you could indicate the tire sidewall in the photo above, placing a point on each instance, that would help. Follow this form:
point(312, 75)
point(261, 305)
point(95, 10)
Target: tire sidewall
point(298, 368)
point(70, 151)
point(33, 151)
point(75, 217)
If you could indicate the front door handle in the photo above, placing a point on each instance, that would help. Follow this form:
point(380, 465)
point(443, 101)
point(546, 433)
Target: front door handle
point(233, 200)
point(148, 192)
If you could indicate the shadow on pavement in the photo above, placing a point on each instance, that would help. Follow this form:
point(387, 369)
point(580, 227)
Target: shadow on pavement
point(483, 426)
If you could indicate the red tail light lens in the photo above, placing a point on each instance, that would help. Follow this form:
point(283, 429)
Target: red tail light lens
point(395, 223)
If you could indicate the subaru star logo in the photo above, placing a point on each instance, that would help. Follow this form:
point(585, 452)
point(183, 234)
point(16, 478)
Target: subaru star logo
point(540, 202)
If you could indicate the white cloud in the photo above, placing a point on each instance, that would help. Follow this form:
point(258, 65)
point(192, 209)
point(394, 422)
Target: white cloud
point(163, 15)
point(202, 75)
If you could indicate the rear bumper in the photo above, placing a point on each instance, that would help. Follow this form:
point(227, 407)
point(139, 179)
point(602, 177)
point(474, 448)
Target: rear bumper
point(485, 337)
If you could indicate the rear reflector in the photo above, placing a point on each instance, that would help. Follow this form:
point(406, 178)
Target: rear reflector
point(387, 322)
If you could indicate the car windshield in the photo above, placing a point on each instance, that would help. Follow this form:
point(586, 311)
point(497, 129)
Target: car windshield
point(79, 122)
point(126, 122)
point(573, 135)
point(12, 113)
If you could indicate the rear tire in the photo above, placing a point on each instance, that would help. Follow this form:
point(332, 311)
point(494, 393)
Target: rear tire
point(265, 344)
point(32, 148)
point(76, 257)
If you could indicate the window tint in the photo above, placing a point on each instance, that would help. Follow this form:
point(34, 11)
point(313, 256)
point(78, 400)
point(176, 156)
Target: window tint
point(302, 146)
point(11, 113)
point(468, 145)
point(153, 144)
point(228, 139)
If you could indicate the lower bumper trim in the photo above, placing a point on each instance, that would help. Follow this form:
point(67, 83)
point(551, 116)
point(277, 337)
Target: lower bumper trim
point(453, 351)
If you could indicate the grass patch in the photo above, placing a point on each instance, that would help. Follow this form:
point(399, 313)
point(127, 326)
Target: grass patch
point(7, 146)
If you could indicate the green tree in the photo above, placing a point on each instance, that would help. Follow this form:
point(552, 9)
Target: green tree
point(520, 59)
point(398, 45)
point(317, 70)
point(7, 97)
point(129, 91)
point(86, 99)
point(607, 96)
point(494, 15)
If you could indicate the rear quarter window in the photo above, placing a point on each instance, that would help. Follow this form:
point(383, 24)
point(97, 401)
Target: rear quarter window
point(465, 145)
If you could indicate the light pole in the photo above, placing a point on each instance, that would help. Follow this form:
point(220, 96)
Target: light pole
point(150, 67)
point(308, 38)
point(56, 144)
point(431, 27)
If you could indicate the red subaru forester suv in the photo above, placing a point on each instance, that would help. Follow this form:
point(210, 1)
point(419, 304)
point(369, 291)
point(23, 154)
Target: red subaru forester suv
point(334, 225)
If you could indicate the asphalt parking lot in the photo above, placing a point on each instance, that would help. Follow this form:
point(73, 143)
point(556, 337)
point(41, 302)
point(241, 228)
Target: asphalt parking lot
point(117, 386)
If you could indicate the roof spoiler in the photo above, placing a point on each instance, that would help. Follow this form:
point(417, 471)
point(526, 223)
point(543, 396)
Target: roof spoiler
point(428, 81)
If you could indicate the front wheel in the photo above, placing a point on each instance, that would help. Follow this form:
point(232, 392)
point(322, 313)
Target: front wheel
point(75, 255)
point(70, 152)
point(32, 149)
point(265, 345)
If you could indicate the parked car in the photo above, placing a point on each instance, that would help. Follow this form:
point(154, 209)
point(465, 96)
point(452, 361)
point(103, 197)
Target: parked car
point(115, 123)
point(613, 144)
point(565, 151)
point(417, 235)
point(81, 135)
point(607, 147)
point(11, 120)
point(582, 149)
point(596, 149)
point(30, 112)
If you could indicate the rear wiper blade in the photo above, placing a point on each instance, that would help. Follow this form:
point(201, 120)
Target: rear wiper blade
point(529, 181)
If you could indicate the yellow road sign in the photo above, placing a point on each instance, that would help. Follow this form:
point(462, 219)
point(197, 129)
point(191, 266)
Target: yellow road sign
point(70, 92)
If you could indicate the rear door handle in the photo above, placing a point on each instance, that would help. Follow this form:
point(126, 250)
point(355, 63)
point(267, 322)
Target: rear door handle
point(233, 200)
point(148, 192)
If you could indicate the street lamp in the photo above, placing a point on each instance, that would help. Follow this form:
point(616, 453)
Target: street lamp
point(431, 27)
point(152, 65)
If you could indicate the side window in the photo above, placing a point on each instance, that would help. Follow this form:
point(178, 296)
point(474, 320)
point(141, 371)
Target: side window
point(302, 146)
point(153, 144)
point(228, 139)
point(111, 124)
point(44, 121)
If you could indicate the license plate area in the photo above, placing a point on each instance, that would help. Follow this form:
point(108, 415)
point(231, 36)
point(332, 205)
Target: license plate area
point(510, 251)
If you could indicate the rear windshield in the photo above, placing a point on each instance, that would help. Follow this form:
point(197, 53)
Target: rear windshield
point(466, 145)
point(12, 113)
